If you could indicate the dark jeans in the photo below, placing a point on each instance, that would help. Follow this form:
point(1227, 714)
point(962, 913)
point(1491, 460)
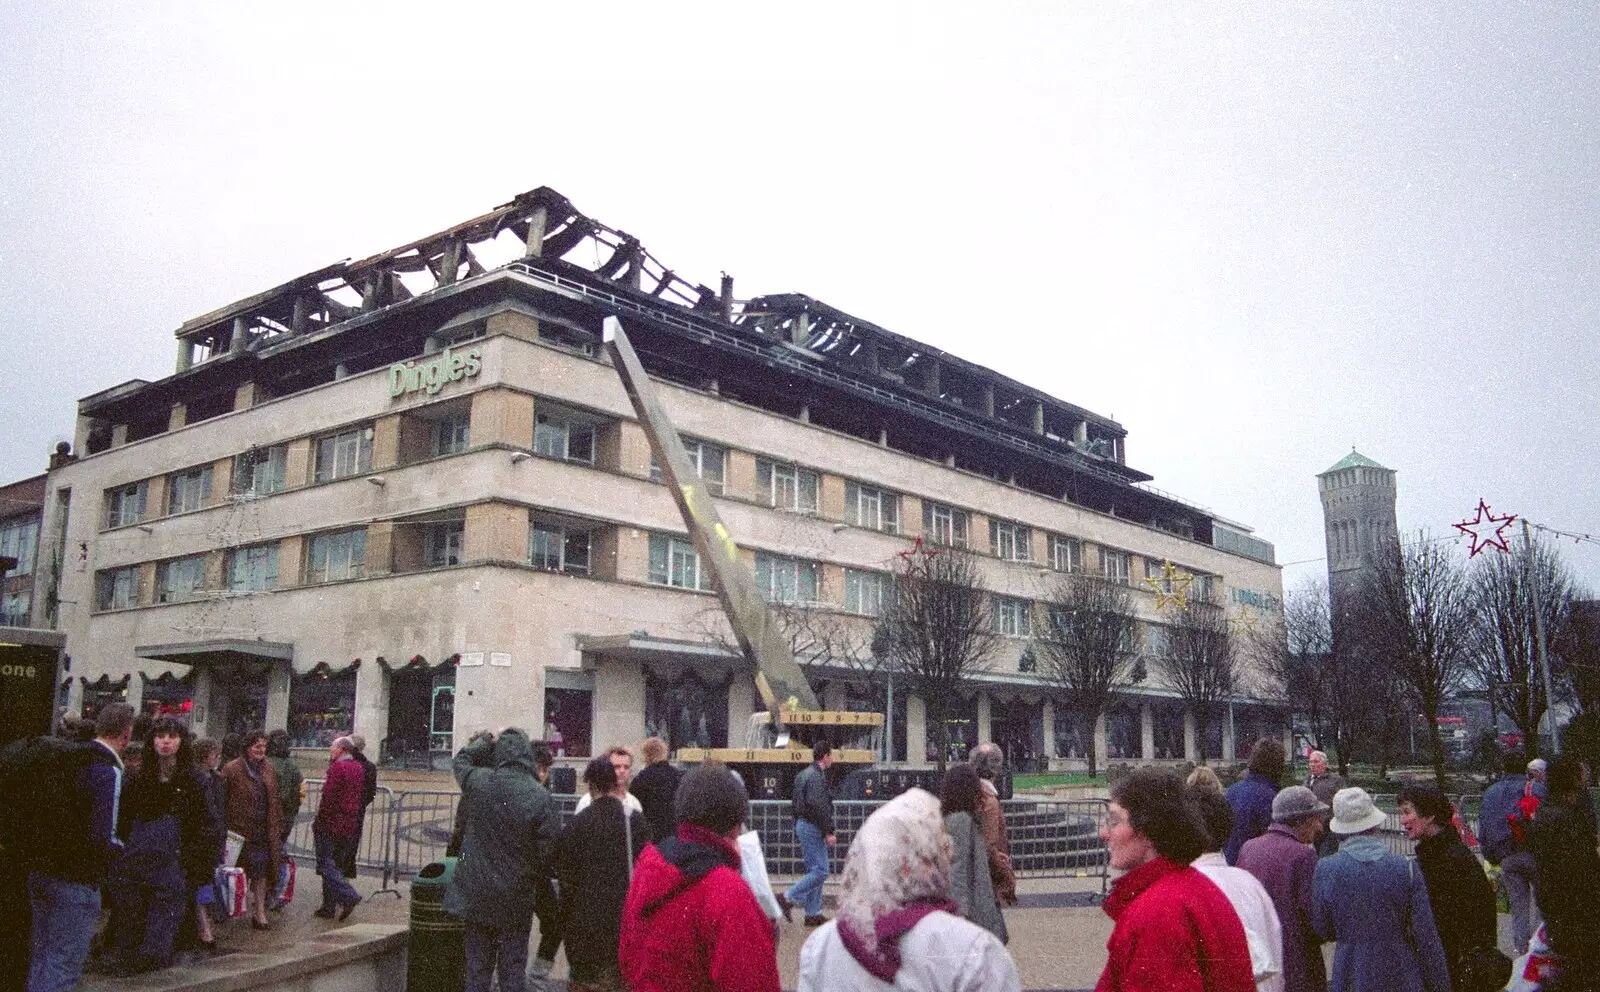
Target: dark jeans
point(548, 908)
point(336, 891)
point(492, 948)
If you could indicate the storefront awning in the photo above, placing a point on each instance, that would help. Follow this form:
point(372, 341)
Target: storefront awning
point(662, 655)
point(229, 656)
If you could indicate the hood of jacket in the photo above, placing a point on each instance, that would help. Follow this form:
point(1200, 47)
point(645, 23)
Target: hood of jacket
point(512, 747)
point(675, 864)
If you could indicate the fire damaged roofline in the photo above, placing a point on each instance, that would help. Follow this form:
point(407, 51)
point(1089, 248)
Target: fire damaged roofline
point(786, 352)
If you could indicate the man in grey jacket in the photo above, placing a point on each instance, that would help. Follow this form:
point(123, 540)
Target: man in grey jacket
point(511, 828)
point(812, 805)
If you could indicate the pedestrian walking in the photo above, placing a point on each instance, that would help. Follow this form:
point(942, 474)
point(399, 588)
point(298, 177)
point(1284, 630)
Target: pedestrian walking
point(898, 927)
point(511, 829)
point(1563, 842)
point(254, 814)
point(1262, 930)
point(207, 759)
point(369, 792)
point(690, 921)
point(971, 887)
point(1323, 783)
point(1374, 904)
point(988, 761)
point(335, 831)
point(291, 793)
point(1458, 891)
point(812, 805)
point(1503, 833)
point(1173, 928)
point(1283, 859)
point(655, 786)
point(594, 864)
point(169, 844)
point(1251, 796)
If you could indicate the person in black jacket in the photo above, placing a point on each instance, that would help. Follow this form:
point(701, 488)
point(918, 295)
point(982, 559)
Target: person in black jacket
point(1458, 889)
point(655, 787)
point(812, 805)
point(1563, 842)
point(169, 847)
point(594, 865)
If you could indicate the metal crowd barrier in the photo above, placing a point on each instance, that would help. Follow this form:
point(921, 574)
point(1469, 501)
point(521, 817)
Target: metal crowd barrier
point(406, 831)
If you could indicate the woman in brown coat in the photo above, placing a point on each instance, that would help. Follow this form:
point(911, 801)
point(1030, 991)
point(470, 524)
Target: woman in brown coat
point(255, 814)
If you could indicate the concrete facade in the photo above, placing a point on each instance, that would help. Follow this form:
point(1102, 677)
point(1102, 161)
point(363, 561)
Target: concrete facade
point(398, 559)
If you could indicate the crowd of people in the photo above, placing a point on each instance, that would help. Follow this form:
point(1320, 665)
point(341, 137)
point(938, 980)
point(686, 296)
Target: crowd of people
point(134, 816)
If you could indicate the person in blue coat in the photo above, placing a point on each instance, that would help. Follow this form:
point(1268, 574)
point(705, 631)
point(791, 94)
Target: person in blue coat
point(1251, 797)
point(1374, 904)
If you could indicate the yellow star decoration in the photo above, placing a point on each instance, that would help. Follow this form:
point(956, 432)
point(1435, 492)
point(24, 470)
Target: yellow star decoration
point(1171, 586)
point(1244, 621)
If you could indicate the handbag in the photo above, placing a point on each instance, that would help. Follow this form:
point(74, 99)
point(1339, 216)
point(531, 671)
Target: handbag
point(1483, 969)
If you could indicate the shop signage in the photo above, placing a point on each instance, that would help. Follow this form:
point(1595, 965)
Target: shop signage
point(1260, 600)
point(431, 375)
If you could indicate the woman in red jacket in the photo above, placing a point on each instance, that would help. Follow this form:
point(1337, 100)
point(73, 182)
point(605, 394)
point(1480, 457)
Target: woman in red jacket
point(1174, 930)
point(337, 828)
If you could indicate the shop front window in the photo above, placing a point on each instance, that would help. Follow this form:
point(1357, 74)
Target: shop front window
point(421, 716)
point(1167, 721)
point(686, 711)
point(961, 716)
point(569, 722)
point(1212, 743)
point(168, 696)
point(98, 695)
point(1070, 739)
point(1122, 733)
point(322, 706)
point(1018, 727)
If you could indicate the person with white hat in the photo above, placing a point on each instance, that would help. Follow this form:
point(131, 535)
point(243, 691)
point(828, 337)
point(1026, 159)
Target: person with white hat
point(1374, 904)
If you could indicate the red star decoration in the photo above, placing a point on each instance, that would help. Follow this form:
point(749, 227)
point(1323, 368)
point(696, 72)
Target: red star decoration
point(918, 555)
point(1487, 530)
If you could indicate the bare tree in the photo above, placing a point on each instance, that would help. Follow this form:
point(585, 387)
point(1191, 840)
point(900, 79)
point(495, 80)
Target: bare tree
point(1199, 662)
point(1504, 658)
point(936, 632)
point(1087, 651)
point(1417, 615)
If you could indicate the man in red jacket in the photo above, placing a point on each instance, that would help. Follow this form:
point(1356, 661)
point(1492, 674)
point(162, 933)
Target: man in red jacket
point(690, 923)
point(337, 828)
point(1174, 929)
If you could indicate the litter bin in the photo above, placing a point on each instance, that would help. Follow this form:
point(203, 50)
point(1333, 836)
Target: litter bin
point(436, 958)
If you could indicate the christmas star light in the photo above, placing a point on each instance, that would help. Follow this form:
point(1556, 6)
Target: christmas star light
point(1244, 621)
point(1487, 530)
point(1171, 586)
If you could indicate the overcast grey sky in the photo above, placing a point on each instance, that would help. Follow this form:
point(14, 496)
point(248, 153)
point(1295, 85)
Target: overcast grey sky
point(1256, 234)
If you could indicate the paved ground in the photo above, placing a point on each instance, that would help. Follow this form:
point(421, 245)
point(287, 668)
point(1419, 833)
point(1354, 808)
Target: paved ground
point(1058, 933)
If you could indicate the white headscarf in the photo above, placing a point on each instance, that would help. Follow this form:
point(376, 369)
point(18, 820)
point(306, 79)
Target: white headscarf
point(901, 855)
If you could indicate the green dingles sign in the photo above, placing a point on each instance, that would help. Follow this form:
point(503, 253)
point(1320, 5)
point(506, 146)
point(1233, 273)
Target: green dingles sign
point(431, 375)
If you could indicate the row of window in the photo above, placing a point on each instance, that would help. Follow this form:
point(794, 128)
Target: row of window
point(19, 539)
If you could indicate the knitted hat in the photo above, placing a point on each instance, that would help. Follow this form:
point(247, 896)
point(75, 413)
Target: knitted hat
point(1294, 802)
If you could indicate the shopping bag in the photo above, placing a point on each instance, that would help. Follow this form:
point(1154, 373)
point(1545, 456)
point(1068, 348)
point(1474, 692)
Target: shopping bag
point(284, 893)
point(230, 891)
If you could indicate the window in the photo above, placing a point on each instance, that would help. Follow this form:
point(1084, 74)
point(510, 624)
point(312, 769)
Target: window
point(260, 471)
point(1066, 553)
point(441, 543)
point(180, 579)
point(14, 609)
point(453, 434)
point(1012, 542)
point(189, 490)
point(786, 580)
point(564, 438)
point(337, 556)
point(674, 562)
point(944, 524)
point(344, 454)
point(1013, 617)
point(1114, 565)
point(19, 539)
point(787, 487)
point(708, 461)
point(1201, 587)
point(1157, 641)
point(865, 592)
point(865, 506)
point(253, 569)
point(557, 548)
point(125, 505)
point(118, 588)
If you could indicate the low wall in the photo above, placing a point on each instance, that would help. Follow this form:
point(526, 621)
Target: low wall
point(363, 957)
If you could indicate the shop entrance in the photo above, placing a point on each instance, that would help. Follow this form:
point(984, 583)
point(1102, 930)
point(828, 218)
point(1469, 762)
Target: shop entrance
point(421, 715)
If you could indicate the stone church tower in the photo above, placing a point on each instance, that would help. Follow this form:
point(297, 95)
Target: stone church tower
point(1358, 514)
